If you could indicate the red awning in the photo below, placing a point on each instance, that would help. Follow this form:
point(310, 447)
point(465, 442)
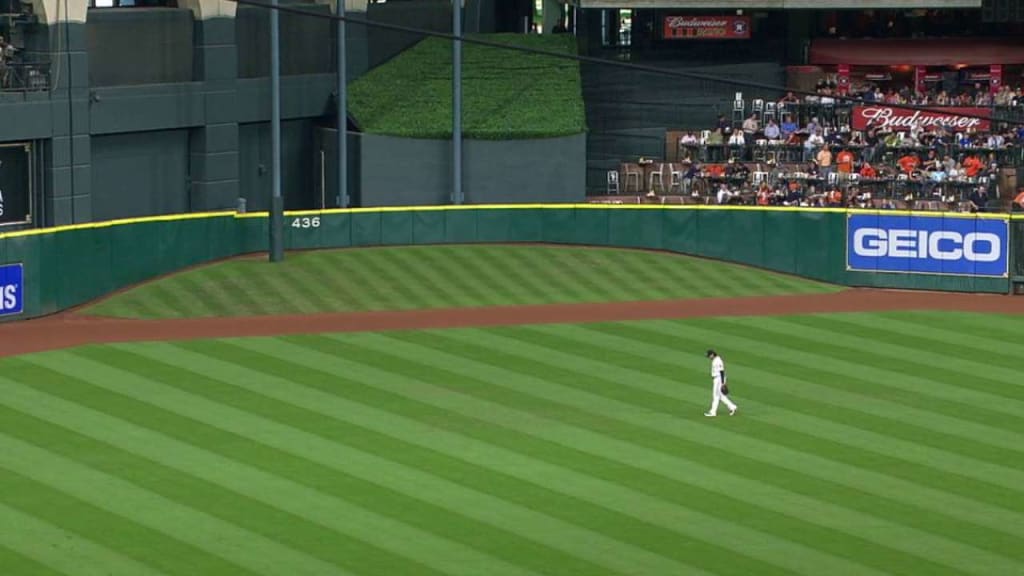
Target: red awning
point(918, 51)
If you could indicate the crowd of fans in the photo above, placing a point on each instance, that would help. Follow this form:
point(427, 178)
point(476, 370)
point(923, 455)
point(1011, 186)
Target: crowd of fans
point(804, 152)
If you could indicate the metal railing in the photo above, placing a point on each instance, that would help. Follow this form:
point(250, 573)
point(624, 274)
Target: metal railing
point(25, 76)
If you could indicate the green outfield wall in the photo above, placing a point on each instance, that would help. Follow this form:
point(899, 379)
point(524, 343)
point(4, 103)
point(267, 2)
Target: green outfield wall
point(67, 266)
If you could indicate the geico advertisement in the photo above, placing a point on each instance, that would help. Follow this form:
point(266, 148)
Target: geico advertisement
point(12, 300)
point(929, 245)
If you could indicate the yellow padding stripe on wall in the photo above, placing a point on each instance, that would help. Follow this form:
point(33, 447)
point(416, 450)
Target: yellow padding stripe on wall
point(588, 206)
point(121, 222)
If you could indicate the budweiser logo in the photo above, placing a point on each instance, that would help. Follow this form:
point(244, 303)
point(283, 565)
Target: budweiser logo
point(694, 22)
point(899, 119)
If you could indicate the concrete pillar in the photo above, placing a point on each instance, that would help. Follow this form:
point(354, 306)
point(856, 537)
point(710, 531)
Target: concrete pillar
point(66, 194)
point(213, 148)
point(553, 14)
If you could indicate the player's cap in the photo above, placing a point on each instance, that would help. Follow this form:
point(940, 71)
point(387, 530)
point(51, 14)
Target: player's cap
point(711, 353)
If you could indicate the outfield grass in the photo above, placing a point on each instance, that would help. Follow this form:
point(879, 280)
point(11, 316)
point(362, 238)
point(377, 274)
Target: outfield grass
point(404, 278)
point(506, 94)
point(867, 444)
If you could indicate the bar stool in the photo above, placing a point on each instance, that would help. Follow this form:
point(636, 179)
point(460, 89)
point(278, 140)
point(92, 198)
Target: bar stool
point(613, 182)
point(660, 173)
point(632, 172)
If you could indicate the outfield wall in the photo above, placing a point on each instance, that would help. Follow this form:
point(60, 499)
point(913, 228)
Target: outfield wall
point(67, 266)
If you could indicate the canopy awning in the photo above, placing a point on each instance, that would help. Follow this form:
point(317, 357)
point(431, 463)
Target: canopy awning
point(918, 51)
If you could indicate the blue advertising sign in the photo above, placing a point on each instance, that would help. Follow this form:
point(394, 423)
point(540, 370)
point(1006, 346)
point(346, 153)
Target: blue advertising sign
point(12, 293)
point(927, 245)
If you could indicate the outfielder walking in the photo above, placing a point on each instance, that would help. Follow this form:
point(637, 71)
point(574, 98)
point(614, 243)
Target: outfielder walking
point(720, 389)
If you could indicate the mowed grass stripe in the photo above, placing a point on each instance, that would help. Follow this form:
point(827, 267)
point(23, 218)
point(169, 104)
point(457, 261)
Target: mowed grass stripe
point(952, 427)
point(702, 488)
point(979, 423)
point(494, 287)
point(372, 530)
point(657, 408)
point(521, 267)
point(607, 555)
point(748, 491)
point(406, 292)
point(530, 289)
point(309, 470)
point(244, 292)
point(382, 278)
point(433, 268)
point(563, 274)
point(577, 503)
point(245, 551)
point(1002, 328)
point(302, 297)
point(897, 354)
point(981, 479)
point(939, 338)
point(287, 531)
point(424, 446)
point(29, 545)
point(22, 565)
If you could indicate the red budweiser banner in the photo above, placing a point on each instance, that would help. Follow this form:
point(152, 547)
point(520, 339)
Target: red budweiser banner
point(902, 120)
point(707, 27)
point(920, 73)
point(843, 79)
point(995, 81)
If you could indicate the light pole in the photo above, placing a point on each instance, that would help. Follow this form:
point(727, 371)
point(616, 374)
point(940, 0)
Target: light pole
point(276, 201)
point(342, 147)
point(457, 195)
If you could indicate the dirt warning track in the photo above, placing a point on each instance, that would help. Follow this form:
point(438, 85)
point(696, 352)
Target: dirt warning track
point(74, 329)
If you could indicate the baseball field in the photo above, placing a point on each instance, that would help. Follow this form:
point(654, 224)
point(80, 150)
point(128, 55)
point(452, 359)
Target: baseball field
point(511, 410)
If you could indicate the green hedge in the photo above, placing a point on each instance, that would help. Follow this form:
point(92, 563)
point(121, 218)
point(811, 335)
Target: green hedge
point(506, 94)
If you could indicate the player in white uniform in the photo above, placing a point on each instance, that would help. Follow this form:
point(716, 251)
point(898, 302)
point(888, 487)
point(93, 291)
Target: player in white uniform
point(718, 380)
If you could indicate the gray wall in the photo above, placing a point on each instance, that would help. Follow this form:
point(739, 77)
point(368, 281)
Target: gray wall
point(133, 46)
point(305, 42)
point(297, 164)
point(133, 86)
point(409, 171)
point(140, 174)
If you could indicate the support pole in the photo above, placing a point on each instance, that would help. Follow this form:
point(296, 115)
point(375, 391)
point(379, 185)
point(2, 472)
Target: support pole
point(276, 201)
point(457, 196)
point(342, 147)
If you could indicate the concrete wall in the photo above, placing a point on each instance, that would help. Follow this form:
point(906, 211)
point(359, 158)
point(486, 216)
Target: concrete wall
point(408, 171)
point(187, 87)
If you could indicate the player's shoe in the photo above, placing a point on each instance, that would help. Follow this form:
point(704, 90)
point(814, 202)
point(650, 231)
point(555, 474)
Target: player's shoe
point(709, 414)
point(733, 411)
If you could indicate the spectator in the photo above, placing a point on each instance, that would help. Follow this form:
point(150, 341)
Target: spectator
point(979, 199)
point(751, 125)
point(811, 145)
point(824, 160)
point(844, 162)
point(867, 170)
point(771, 130)
point(972, 166)
point(737, 139)
point(908, 162)
point(1018, 201)
point(724, 195)
point(788, 126)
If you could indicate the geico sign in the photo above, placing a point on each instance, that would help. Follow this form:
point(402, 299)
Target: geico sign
point(938, 245)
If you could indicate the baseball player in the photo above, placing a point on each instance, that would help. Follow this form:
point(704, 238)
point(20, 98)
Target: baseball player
point(719, 389)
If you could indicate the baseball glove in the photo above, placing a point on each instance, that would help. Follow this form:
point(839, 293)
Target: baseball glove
point(725, 389)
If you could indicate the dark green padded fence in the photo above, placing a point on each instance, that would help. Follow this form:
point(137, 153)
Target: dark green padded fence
point(1017, 249)
point(70, 266)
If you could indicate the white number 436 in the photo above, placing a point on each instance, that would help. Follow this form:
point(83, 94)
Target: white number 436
point(306, 222)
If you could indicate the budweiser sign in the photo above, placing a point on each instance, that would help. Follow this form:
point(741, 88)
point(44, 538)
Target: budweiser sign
point(902, 119)
point(707, 27)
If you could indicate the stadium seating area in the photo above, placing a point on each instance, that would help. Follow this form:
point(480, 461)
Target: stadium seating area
point(817, 151)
